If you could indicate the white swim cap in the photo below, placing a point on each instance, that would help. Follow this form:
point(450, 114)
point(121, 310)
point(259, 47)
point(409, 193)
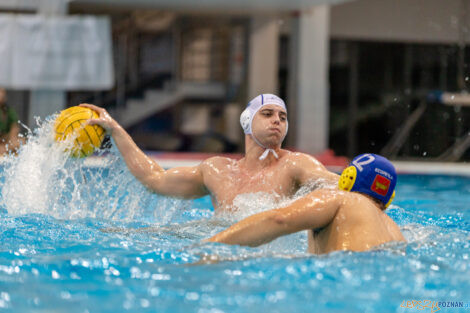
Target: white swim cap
point(246, 118)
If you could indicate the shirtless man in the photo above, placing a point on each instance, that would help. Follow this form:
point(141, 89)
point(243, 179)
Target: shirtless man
point(265, 167)
point(349, 219)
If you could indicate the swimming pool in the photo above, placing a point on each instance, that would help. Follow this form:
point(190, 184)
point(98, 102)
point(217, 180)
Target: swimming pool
point(79, 239)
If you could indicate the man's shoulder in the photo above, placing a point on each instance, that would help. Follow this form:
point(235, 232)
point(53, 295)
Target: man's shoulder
point(330, 197)
point(329, 193)
point(356, 203)
point(301, 160)
point(217, 161)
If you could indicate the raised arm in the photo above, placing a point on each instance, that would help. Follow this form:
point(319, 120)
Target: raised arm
point(313, 211)
point(185, 182)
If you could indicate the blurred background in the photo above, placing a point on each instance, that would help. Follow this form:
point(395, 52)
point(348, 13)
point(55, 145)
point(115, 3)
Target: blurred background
point(381, 76)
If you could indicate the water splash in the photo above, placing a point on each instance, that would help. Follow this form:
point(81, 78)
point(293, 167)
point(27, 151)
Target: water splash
point(248, 204)
point(27, 176)
point(43, 179)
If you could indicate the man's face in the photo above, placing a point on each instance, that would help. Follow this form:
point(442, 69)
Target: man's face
point(269, 125)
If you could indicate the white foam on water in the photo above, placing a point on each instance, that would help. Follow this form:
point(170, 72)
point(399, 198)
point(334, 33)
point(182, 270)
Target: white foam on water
point(248, 204)
point(28, 175)
point(43, 178)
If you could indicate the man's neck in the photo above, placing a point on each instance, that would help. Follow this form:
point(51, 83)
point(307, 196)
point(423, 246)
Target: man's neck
point(253, 152)
point(379, 204)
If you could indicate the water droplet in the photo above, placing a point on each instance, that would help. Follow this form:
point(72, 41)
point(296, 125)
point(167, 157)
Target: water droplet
point(160, 277)
point(154, 291)
point(346, 273)
point(5, 296)
point(114, 271)
point(192, 296)
point(55, 275)
point(74, 275)
point(144, 303)
point(65, 295)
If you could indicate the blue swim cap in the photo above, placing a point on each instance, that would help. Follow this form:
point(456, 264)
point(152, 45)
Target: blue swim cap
point(372, 175)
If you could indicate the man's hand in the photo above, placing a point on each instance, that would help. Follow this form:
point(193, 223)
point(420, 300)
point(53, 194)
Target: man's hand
point(105, 120)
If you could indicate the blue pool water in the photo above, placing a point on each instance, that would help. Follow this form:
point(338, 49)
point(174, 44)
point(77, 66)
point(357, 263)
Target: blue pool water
point(79, 239)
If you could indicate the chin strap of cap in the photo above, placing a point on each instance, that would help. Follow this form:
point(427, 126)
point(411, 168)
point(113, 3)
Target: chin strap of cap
point(266, 151)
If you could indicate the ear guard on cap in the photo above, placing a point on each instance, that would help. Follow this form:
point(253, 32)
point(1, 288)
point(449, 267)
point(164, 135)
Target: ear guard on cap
point(391, 199)
point(245, 121)
point(348, 178)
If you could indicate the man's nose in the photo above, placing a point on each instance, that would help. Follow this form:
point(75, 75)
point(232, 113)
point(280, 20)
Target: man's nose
point(276, 120)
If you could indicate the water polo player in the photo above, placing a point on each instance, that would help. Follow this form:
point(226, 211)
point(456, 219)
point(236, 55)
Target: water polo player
point(265, 167)
point(351, 218)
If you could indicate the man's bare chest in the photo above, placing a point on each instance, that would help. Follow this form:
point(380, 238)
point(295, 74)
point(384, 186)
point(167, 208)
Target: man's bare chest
point(226, 187)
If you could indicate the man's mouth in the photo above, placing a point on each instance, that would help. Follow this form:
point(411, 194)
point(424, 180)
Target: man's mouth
point(275, 129)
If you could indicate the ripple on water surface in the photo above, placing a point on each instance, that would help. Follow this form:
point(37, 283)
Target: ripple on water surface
point(79, 239)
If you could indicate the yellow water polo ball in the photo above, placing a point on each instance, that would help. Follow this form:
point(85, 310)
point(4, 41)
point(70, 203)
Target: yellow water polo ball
point(71, 124)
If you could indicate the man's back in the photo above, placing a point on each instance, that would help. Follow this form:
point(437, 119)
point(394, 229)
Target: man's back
point(358, 225)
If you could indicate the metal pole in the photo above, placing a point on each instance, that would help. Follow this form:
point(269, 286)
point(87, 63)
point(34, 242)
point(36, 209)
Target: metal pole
point(353, 99)
point(177, 42)
point(444, 65)
point(293, 79)
point(407, 73)
point(461, 65)
point(121, 78)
